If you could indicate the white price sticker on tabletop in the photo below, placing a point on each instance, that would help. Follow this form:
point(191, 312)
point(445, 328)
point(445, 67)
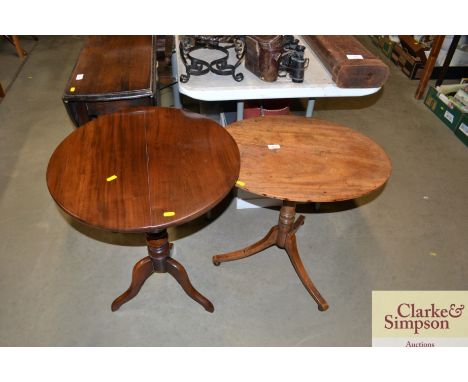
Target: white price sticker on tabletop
point(354, 57)
point(274, 147)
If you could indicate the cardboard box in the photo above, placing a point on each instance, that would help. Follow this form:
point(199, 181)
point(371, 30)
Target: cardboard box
point(452, 116)
point(462, 132)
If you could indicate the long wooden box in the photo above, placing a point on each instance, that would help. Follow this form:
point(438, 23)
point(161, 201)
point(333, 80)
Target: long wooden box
point(112, 73)
point(348, 61)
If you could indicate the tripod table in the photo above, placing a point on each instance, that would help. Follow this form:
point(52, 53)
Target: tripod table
point(145, 170)
point(298, 159)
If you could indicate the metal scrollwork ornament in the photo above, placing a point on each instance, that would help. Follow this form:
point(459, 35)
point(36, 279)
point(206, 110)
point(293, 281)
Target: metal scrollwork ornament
point(197, 67)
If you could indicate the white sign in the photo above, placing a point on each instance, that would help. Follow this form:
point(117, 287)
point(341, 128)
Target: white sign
point(354, 57)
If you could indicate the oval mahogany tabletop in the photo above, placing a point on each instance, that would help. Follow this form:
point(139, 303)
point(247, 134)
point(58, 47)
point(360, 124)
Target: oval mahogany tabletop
point(317, 161)
point(143, 169)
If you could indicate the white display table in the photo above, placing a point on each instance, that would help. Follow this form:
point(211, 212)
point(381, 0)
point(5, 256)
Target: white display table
point(212, 87)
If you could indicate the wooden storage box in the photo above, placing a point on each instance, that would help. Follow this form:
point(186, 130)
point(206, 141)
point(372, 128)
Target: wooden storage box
point(112, 73)
point(350, 64)
point(411, 66)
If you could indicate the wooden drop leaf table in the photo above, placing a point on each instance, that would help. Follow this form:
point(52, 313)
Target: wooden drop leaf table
point(112, 73)
point(300, 159)
point(145, 170)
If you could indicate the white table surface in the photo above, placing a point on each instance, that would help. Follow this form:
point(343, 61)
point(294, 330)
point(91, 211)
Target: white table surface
point(212, 87)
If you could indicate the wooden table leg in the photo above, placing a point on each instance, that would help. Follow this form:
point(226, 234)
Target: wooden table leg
point(159, 261)
point(268, 241)
point(141, 271)
point(21, 52)
point(429, 66)
point(2, 92)
point(293, 253)
point(283, 236)
point(176, 269)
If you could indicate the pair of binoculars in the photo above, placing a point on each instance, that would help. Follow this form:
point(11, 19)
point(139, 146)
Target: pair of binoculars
point(270, 57)
point(292, 60)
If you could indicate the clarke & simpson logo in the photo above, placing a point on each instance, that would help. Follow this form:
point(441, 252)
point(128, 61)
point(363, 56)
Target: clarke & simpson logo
point(419, 318)
point(409, 316)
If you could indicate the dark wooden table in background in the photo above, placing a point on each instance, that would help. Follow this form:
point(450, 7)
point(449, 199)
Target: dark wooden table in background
point(144, 170)
point(112, 73)
point(314, 161)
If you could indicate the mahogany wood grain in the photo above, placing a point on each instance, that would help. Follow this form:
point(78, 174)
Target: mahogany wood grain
point(78, 170)
point(113, 66)
point(192, 165)
point(165, 160)
point(318, 161)
point(118, 72)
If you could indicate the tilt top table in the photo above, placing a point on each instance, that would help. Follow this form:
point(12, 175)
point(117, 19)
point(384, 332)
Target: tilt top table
point(144, 170)
point(300, 159)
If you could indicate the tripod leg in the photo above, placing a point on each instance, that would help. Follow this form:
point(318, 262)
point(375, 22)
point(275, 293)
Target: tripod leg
point(291, 249)
point(267, 241)
point(180, 274)
point(297, 224)
point(141, 271)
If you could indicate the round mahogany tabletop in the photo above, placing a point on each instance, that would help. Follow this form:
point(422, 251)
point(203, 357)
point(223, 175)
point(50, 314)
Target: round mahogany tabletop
point(143, 170)
point(307, 159)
